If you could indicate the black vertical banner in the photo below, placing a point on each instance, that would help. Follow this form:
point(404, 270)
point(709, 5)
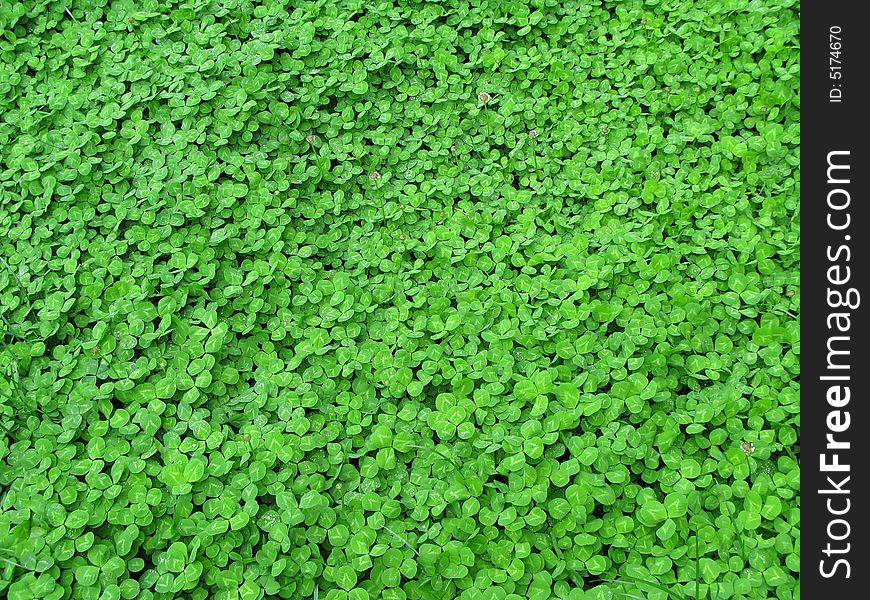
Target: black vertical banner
point(835, 373)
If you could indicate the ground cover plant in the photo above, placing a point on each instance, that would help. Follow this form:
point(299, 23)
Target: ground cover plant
point(489, 300)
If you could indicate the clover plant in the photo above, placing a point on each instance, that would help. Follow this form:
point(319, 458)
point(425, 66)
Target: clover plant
point(399, 300)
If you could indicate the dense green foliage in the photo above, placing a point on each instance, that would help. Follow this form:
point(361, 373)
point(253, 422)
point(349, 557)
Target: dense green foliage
point(419, 300)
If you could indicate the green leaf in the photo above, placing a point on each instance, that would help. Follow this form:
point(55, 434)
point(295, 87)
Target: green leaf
point(652, 513)
point(345, 577)
point(525, 390)
point(87, 575)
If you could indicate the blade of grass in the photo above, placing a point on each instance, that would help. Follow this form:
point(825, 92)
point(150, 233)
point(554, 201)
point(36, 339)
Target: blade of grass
point(11, 272)
point(640, 582)
point(66, 10)
point(742, 547)
point(403, 540)
point(11, 562)
point(12, 333)
point(627, 595)
point(16, 380)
